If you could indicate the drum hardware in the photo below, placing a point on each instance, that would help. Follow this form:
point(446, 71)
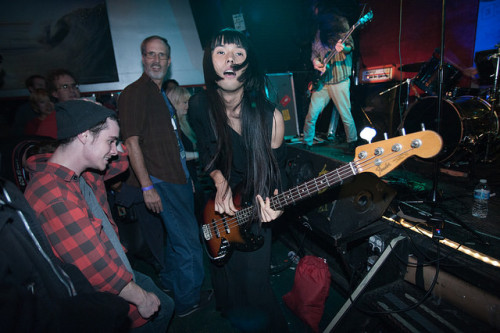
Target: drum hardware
point(427, 78)
point(463, 91)
point(469, 123)
point(494, 101)
point(485, 66)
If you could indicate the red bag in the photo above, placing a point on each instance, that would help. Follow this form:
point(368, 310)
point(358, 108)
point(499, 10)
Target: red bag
point(310, 289)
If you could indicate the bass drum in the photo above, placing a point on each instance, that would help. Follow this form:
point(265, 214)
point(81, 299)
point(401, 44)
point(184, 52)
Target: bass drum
point(465, 122)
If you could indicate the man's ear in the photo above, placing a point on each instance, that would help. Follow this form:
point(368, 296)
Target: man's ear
point(84, 137)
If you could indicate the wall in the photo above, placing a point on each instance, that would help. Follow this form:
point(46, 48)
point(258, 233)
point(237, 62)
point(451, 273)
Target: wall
point(130, 22)
point(405, 32)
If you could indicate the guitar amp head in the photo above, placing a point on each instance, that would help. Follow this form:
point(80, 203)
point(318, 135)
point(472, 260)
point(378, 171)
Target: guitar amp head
point(379, 74)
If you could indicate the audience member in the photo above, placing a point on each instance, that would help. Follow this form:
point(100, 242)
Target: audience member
point(38, 292)
point(45, 123)
point(63, 85)
point(179, 96)
point(158, 160)
point(68, 195)
point(169, 84)
point(25, 113)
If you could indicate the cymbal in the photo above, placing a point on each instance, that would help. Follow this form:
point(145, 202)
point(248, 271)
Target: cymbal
point(414, 67)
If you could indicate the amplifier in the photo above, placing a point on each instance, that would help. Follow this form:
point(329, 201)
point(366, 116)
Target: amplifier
point(378, 74)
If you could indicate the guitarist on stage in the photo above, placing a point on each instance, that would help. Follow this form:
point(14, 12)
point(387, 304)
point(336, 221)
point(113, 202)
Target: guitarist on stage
point(333, 82)
point(240, 141)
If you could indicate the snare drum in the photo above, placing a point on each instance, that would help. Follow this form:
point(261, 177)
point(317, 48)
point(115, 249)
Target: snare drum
point(465, 121)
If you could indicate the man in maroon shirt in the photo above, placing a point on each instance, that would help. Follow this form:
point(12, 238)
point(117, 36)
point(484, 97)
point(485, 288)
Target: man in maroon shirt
point(68, 195)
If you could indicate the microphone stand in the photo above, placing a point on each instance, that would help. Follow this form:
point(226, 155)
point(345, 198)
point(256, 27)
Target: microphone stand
point(407, 100)
point(434, 194)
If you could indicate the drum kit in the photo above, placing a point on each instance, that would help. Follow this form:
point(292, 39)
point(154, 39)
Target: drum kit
point(469, 123)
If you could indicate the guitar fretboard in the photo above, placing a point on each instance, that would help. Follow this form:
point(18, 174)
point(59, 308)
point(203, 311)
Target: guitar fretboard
point(303, 191)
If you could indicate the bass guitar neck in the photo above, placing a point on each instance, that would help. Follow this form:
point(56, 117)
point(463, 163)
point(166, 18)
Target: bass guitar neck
point(223, 233)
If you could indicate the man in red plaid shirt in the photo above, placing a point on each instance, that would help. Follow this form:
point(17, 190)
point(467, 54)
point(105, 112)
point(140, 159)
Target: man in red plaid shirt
point(68, 194)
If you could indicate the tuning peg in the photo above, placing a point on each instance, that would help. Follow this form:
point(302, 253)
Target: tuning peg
point(422, 125)
point(386, 137)
point(403, 132)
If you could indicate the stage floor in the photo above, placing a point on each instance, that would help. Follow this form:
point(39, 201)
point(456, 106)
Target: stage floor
point(436, 197)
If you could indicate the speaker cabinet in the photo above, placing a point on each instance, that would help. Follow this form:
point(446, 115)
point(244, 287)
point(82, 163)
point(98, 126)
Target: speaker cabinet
point(343, 209)
point(280, 90)
point(359, 202)
point(375, 110)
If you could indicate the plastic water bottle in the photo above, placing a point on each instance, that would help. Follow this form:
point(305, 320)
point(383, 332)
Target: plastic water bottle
point(293, 257)
point(481, 197)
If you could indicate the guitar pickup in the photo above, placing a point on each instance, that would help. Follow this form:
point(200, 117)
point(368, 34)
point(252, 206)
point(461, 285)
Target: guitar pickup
point(226, 226)
point(214, 226)
point(206, 232)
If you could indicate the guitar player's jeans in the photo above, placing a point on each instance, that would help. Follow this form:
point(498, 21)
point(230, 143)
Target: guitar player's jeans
point(183, 272)
point(340, 95)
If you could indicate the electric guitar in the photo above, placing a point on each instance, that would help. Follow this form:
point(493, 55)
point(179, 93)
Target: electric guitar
point(223, 233)
point(318, 82)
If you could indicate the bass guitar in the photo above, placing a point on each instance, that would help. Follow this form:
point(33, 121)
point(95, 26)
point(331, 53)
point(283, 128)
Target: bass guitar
point(223, 233)
point(318, 81)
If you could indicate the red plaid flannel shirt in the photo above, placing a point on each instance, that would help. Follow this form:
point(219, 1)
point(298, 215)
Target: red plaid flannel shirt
point(75, 235)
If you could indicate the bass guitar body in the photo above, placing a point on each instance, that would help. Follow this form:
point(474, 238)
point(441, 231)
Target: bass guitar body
point(223, 233)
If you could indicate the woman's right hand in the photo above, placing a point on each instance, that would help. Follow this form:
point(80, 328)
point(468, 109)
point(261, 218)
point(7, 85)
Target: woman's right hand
point(224, 199)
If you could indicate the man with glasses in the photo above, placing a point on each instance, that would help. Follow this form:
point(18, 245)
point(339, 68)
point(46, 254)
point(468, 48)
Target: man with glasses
point(158, 160)
point(62, 85)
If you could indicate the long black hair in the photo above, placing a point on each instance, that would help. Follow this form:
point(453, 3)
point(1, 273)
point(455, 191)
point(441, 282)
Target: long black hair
point(262, 170)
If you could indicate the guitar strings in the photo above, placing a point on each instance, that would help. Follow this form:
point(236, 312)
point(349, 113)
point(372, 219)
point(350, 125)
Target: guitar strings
point(329, 179)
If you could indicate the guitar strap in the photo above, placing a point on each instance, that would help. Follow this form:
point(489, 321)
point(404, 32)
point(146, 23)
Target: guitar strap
point(98, 212)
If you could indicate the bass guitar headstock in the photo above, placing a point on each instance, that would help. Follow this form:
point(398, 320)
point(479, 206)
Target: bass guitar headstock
point(384, 156)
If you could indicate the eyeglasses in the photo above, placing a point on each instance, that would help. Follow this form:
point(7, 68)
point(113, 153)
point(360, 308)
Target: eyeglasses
point(152, 55)
point(69, 86)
